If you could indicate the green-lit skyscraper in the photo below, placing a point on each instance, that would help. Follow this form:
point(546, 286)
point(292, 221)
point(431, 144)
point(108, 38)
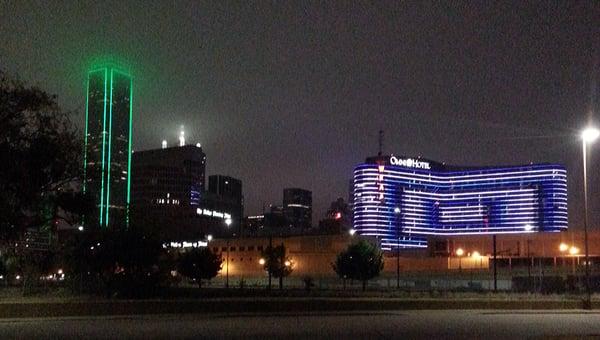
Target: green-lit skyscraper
point(107, 161)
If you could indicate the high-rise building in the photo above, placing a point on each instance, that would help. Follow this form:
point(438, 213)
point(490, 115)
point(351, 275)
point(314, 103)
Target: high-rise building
point(225, 193)
point(403, 201)
point(166, 191)
point(225, 186)
point(297, 207)
point(177, 172)
point(107, 155)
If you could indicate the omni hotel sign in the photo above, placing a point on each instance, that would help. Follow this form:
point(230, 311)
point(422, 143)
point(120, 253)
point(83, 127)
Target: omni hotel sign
point(409, 163)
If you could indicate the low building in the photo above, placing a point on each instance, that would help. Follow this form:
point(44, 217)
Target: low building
point(313, 256)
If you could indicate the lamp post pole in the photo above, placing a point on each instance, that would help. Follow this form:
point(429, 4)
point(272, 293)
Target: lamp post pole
point(397, 212)
point(588, 136)
point(227, 267)
point(588, 301)
point(398, 263)
point(495, 266)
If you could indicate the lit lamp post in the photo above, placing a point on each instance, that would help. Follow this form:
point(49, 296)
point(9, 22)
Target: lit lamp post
point(227, 266)
point(459, 252)
point(573, 251)
point(478, 256)
point(397, 212)
point(588, 136)
point(475, 256)
point(563, 247)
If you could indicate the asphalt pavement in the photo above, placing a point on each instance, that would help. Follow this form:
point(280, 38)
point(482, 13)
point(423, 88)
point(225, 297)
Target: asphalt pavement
point(426, 324)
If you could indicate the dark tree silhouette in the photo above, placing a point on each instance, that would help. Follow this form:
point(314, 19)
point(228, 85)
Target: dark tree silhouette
point(199, 264)
point(39, 155)
point(361, 261)
point(123, 262)
point(277, 263)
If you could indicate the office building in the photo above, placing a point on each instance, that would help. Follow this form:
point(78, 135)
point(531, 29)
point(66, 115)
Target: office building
point(107, 155)
point(225, 193)
point(169, 197)
point(297, 207)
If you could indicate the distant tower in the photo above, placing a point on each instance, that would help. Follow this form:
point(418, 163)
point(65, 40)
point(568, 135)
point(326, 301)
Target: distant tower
point(107, 155)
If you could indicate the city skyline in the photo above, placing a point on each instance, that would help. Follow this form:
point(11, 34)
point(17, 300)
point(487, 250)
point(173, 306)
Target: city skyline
point(311, 95)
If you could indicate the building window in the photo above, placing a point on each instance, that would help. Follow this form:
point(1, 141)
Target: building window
point(260, 248)
point(242, 248)
point(215, 249)
point(232, 249)
point(250, 248)
point(224, 249)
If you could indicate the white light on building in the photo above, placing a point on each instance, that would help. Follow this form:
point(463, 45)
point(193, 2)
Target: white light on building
point(181, 137)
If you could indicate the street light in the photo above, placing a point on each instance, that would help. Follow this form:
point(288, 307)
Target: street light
point(563, 247)
point(261, 262)
point(459, 252)
point(399, 222)
point(209, 238)
point(352, 232)
point(588, 136)
point(573, 250)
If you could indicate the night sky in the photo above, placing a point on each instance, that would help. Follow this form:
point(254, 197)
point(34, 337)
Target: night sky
point(292, 94)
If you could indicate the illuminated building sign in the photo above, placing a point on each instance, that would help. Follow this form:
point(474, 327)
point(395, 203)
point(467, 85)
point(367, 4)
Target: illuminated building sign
point(213, 213)
point(186, 244)
point(409, 163)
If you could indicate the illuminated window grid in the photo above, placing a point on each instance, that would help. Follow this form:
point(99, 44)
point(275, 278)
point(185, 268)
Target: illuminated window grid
point(491, 201)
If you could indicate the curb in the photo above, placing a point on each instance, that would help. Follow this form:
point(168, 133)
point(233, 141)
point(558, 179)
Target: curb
point(148, 307)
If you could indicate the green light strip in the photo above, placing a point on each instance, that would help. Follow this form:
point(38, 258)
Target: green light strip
point(112, 77)
point(103, 144)
point(129, 156)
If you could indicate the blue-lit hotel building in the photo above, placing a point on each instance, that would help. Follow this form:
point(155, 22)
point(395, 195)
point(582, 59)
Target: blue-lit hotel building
point(403, 201)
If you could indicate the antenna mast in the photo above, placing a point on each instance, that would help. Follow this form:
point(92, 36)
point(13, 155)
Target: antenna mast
point(380, 143)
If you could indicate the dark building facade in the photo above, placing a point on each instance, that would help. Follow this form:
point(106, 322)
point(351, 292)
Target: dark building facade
point(225, 193)
point(297, 207)
point(107, 155)
point(169, 196)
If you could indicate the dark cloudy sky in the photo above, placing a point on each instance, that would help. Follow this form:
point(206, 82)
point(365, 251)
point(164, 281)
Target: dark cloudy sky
point(289, 93)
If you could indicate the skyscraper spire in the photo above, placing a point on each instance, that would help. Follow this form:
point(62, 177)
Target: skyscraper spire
point(181, 137)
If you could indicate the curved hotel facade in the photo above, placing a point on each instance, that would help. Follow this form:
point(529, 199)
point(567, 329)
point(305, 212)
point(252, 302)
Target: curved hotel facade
point(402, 201)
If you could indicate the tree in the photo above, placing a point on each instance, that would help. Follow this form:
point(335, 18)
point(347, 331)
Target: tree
point(200, 263)
point(277, 263)
point(121, 262)
point(361, 261)
point(39, 156)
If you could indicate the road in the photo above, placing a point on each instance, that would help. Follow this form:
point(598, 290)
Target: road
point(384, 325)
